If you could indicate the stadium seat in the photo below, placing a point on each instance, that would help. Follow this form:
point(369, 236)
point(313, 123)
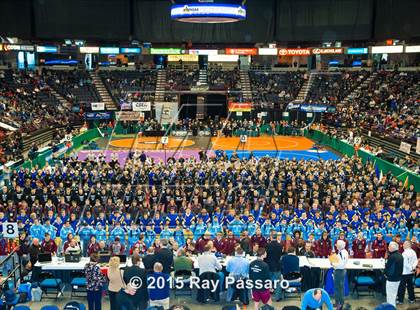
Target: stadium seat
point(295, 284)
point(50, 307)
point(78, 283)
point(364, 279)
point(51, 284)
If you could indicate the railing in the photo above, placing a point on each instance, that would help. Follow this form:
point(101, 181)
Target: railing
point(14, 272)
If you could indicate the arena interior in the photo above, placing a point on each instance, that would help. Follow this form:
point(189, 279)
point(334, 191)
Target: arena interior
point(196, 154)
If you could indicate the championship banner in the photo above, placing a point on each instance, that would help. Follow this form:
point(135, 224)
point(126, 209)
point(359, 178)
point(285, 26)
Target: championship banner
point(166, 112)
point(141, 106)
point(98, 106)
point(129, 116)
point(405, 147)
point(240, 106)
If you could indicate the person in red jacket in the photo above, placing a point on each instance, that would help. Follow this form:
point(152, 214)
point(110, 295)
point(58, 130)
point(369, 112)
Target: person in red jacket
point(48, 245)
point(219, 242)
point(379, 246)
point(323, 246)
point(398, 240)
point(230, 243)
point(202, 241)
point(259, 239)
point(359, 246)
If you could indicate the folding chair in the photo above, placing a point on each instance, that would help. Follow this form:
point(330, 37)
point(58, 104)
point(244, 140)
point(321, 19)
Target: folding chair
point(364, 279)
point(78, 284)
point(50, 284)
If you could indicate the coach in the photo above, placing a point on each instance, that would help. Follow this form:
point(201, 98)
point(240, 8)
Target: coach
point(393, 272)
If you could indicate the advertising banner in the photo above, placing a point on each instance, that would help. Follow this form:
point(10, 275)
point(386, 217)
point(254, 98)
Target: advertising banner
point(294, 51)
point(267, 51)
point(98, 106)
point(241, 51)
point(327, 51)
point(405, 147)
point(141, 106)
point(184, 58)
point(126, 106)
point(90, 116)
point(166, 112)
point(418, 145)
point(129, 116)
point(240, 106)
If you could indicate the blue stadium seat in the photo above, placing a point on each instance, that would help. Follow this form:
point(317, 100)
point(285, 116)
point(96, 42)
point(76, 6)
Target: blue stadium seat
point(51, 284)
point(364, 279)
point(78, 284)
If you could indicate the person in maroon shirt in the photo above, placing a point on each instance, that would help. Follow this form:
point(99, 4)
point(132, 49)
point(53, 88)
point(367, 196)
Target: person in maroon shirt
point(397, 239)
point(230, 243)
point(341, 236)
point(359, 246)
point(379, 247)
point(202, 241)
point(48, 245)
point(323, 246)
point(259, 239)
point(93, 246)
point(219, 242)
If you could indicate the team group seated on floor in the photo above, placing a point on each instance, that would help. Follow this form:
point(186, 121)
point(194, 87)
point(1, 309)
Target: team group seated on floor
point(232, 201)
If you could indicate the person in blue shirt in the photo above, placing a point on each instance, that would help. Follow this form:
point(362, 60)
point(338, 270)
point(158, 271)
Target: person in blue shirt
point(102, 220)
point(65, 231)
point(187, 218)
point(315, 298)
point(351, 235)
point(37, 230)
point(145, 221)
point(309, 229)
point(179, 236)
point(389, 232)
point(89, 219)
point(415, 231)
point(50, 229)
point(133, 234)
point(100, 233)
point(159, 294)
point(366, 232)
point(238, 268)
point(215, 227)
point(335, 232)
point(173, 218)
point(118, 231)
point(402, 230)
point(127, 220)
point(149, 236)
point(199, 229)
point(166, 233)
point(266, 228)
point(251, 226)
point(319, 231)
point(236, 226)
point(374, 231)
point(85, 232)
point(157, 223)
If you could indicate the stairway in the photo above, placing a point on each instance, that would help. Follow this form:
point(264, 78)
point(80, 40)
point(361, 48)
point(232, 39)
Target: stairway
point(364, 84)
point(110, 105)
point(245, 85)
point(160, 86)
point(61, 99)
point(202, 77)
point(303, 92)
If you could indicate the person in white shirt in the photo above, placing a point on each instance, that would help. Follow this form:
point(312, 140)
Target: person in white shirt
point(409, 267)
point(207, 262)
point(340, 273)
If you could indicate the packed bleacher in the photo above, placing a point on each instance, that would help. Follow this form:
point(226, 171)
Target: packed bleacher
point(126, 85)
point(221, 79)
point(178, 80)
point(26, 102)
point(389, 105)
point(276, 87)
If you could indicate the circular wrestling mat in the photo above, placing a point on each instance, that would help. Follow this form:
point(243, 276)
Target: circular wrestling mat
point(150, 143)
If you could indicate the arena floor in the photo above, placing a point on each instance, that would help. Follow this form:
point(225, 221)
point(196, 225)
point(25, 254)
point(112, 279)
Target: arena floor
point(284, 147)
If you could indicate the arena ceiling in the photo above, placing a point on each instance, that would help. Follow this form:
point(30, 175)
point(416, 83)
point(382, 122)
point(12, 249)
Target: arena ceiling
point(267, 21)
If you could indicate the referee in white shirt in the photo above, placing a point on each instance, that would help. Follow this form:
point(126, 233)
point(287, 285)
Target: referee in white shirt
point(409, 267)
point(340, 273)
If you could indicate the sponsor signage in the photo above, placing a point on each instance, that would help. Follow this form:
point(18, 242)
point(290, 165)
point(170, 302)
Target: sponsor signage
point(240, 106)
point(166, 112)
point(326, 51)
point(241, 51)
point(223, 58)
point(357, 50)
point(412, 49)
point(294, 52)
point(98, 106)
point(126, 106)
point(185, 58)
point(141, 106)
point(405, 147)
point(130, 50)
point(180, 133)
point(97, 115)
point(129, 116)
point(109, 50)
point(202, 52)
point(16, 47)
point(418, 145)
point(89, 49)
point(267, 51)
point(165, 51)
point(387, 49)
point(47, 49)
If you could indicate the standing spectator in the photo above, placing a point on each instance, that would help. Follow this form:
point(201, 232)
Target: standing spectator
point(359, 246)
point(134, 297)
point(238, 268)
point(116, 283)
point(34, 250)
point(207, 262)
point(94, 283)
point(340, 273)
point(274, 253)
point(323, 246)
point(165, 256)
point(158, 283)
point(393, 272)
point(259, 271)
point(379, 247)
point(149, 259)
point(410, 264)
